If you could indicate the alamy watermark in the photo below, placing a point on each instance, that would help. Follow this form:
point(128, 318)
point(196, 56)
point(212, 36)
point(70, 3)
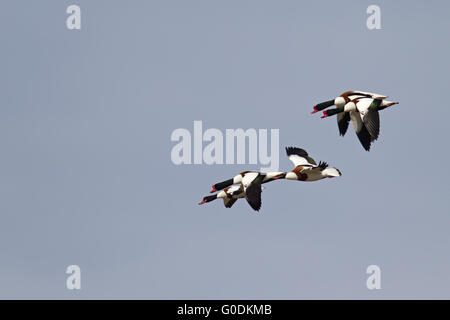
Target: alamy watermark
point(73, 21)
point(374, 280)
point(374, 20)
point(228, 148)
point(73, 281)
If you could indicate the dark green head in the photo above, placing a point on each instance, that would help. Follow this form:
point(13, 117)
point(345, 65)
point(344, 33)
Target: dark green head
point(323, 105)
point(208, 199)
point(332, 112)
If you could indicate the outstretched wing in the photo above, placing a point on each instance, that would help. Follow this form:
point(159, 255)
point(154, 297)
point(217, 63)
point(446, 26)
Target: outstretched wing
point(322, 165)
point(253, 196)
point(299, 157)
point(361, 131)
point(368, 109)
point(343, 120)
point(371, 121)
point(364, 137)
point(228, 202)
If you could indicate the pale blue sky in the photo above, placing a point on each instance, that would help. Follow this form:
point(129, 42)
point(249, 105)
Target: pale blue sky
point(86, 177)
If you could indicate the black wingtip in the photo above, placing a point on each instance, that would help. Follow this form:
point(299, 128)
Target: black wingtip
point(254, 206)
point(323, 165)
point(366, 147)
point(372, 123)
point(343, 122)
point(254, 196)
point(230, 203)
point(365, 138)
point(297, 151)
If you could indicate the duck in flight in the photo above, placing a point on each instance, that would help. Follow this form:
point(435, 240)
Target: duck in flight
point(364, 113)
point(248, 187)
point(306, 168)
point(237, 179)
point(247, 184)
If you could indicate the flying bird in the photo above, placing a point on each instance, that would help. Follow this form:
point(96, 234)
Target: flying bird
point(248, 187)
point(364, 113)
point(237, 179)
point(306, 168)
point(248, 184)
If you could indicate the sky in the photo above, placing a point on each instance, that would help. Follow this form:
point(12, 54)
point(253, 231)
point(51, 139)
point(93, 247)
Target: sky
point(87, 179)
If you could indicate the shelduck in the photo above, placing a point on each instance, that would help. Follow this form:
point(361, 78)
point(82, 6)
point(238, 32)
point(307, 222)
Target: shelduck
point(249, 188)
point(364, 113)
point(306, 168)
point(248, 184)
point(237, 179)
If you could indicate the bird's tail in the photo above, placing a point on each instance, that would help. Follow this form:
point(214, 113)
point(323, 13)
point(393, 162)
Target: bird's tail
point(332, 172)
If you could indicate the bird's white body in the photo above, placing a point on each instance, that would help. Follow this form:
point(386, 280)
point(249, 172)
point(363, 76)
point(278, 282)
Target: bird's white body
point(229, 192)
point(314, 174)
point(357, 110)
